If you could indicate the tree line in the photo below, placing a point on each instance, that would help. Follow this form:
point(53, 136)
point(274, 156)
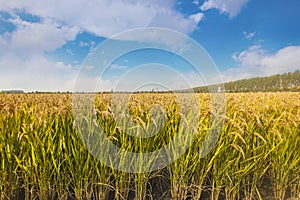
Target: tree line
point(279, 82)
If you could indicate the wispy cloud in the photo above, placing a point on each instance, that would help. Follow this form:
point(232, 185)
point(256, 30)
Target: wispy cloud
point(249, 36)
point(118, 67)
point(230, 7)
point(196, 2)
point(83, 44)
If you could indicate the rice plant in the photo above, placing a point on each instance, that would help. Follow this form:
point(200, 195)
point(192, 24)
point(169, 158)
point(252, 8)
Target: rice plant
point(44, 156)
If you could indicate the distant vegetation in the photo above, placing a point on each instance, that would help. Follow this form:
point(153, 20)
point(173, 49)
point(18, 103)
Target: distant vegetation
point(280, 82)
point(12, 91)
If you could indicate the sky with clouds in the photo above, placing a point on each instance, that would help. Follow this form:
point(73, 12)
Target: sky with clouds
point(44, 43)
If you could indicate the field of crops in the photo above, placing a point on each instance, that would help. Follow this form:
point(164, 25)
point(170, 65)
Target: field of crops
point(256, 156)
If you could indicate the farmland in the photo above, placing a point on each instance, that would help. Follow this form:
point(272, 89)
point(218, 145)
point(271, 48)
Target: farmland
point(255, 157)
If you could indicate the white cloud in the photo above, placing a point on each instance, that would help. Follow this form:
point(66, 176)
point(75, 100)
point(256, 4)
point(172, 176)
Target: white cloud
point(31, 38)
point(23, 64)
point(158, 37)
point(196, 2)
point(36, 73)
point(256, 61)
point(176, 21)
point(230, 7)
point(105, 17)
point(250, 57)
point(197, 17)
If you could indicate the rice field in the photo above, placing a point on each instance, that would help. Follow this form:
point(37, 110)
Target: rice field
point(257, 155)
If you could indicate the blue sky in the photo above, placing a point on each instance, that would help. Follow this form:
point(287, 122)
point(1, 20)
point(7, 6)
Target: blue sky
point(44, 43)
